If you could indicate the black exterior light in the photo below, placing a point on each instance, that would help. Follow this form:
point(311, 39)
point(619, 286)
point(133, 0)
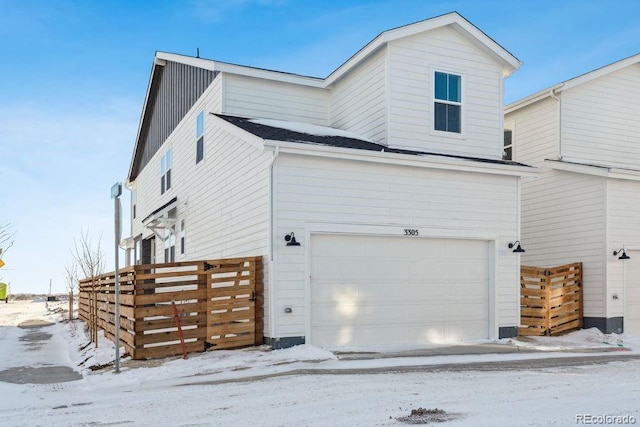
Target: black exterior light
point(291, 240)
point(624, 254)
point(518, 249)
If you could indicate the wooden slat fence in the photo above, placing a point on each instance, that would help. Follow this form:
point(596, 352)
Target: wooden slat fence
point(550, 299)
point(219, 303)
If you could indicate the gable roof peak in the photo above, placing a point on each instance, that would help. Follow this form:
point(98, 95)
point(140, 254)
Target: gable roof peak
point(573, 82)
point(453, 20)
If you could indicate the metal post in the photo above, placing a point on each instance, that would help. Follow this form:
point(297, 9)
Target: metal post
point(116, 191)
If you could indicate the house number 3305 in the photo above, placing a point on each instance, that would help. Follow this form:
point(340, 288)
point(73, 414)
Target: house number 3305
point(410, 232)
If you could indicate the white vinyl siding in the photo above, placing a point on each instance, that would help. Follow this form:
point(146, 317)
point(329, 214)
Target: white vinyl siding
point(146, 184)
point(535, 132)
point(358, 100)
point(412, 62)
point(631, 303)
point(341, 196)
point(225, 200)
point(251, 97)
point(570, 217)
point(623, 224)
point(600, 120)
point(563, 221)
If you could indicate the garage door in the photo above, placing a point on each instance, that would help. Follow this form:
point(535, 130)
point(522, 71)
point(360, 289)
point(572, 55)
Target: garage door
point(372, 290)
point(632, 294)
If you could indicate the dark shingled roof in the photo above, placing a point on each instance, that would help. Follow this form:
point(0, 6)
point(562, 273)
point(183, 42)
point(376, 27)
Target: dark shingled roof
point(280, 134)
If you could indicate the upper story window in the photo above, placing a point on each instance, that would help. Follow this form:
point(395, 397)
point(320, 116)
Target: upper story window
point(507, 151)
point(134, 202)
point(165, 172)
point(137, 253)
point(447, 114)
point(170, 239)
point(200, 137)
point(182, 237)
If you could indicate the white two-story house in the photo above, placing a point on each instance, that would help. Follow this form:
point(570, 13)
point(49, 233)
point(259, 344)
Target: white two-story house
point(584, 134)
point(377, 196)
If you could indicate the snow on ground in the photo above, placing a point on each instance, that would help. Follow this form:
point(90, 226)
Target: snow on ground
point(306, 385)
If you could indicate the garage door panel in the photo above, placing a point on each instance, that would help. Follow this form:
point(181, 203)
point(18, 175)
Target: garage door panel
point(400, 292)
point(371, 315)
point(433, 315)
point(632, 294)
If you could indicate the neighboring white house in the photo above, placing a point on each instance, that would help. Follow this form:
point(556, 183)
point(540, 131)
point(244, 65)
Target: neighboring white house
point(585, 134)
point(388, 173)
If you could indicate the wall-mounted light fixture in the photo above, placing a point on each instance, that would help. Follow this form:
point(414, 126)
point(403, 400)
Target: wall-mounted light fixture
point(623, 254)
point(291, 240)
point(518, 249)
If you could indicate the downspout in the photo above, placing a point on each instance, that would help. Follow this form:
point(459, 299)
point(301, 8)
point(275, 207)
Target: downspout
point(553, 95)
point(276, 152)
point(272, 275)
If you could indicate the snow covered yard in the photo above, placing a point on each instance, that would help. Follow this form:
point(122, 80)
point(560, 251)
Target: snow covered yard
point(305, 385)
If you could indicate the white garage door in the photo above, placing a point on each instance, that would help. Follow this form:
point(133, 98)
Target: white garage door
point(632, 294)
point(372, 290)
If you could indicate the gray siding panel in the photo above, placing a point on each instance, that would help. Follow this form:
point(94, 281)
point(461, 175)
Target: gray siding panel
point(177, 88)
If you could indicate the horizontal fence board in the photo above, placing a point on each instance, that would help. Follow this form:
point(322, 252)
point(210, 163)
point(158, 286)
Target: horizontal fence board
point(535, 331)
point(230, 292)
point(230, 342)
point(167, 275)
point(229, 304)
point(231, 328)
point(534, 321)
point(219, 296)
point(567, 326)
point(168, 336)
point(169, 322)
point(566, 290)
point(167, 350)
point(533, 311)
point(554, 304)
point(232, 316)
point(160, 297)
point(533, 292)
point(167, 309)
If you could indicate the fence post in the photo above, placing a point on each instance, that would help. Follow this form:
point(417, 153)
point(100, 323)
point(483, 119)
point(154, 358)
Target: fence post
point(547, 302)
point(137, 291)
point(259, 300)
point(203, 284)
point(580, 296)
point(95, 315)
point(70, 306)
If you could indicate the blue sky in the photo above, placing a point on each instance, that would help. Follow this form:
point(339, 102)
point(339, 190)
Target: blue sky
point(73, 76)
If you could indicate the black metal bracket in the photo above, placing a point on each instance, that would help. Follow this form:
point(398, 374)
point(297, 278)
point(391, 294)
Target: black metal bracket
point(208, 266)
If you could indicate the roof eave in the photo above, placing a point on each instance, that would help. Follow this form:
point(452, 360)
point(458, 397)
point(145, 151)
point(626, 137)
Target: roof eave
point(573, 82)
point(594, 169)
point(243, 70)
point(426, 160)
point(531, 99)
point(156, 62)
